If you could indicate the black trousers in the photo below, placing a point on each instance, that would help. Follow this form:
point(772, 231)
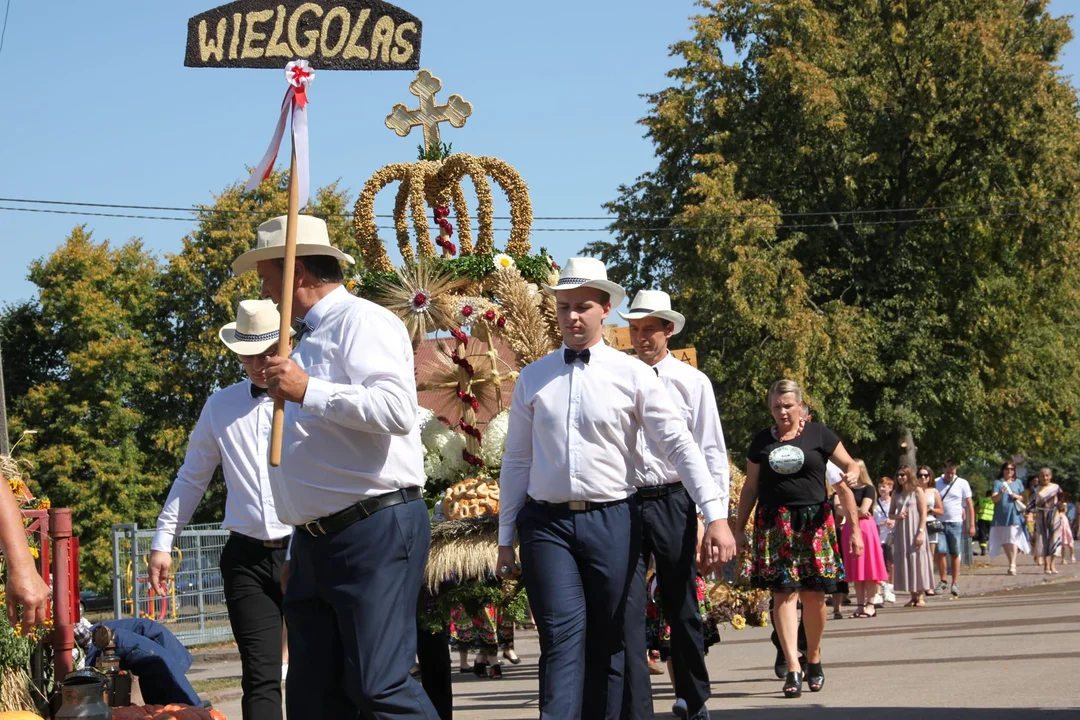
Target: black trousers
point(252, 577)
point(669, 534)
point(351, 609)
point(433, 656)
point(577, 567)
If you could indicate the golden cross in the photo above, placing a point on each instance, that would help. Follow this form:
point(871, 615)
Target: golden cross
point(428, 115)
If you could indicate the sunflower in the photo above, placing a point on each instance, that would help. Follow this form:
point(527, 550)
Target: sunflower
point(738, 622)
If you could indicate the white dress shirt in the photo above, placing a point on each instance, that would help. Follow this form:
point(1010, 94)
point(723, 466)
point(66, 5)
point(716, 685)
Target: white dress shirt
point(356, 434)
point(233, 431)
point(692, 393)
point(574, 429)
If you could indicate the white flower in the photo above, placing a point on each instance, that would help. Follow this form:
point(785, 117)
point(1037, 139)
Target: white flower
point(491, 452)
point(503, 261)
point(434, 436)
point(423, 417)
point(451, 449)
point(432, 465)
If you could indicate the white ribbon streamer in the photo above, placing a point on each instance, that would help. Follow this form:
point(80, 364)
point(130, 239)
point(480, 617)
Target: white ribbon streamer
point(298, 74)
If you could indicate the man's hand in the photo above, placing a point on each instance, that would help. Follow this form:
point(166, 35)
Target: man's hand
point(717, 547)
point(507, 563)
point(25, 587)
point(971, 531)
point(855, 545)
point(160, 564)
point(285, 380)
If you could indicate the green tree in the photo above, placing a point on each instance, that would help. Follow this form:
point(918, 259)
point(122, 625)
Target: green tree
point(950, 311)
point(94, 368)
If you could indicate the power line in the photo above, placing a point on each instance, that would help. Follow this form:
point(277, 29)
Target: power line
point(672, 229)
point(3, 31)
point(726, 216)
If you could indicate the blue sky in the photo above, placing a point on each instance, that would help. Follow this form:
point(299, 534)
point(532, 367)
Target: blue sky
point(104, 111)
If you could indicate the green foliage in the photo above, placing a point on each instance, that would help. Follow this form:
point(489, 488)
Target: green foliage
point(959, 322)
point(473, 597)
point(434, 152)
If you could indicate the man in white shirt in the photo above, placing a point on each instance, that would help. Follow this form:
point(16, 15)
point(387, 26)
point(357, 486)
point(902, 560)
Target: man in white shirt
point(350, 482)
point(669, 517)
point(959, 510)
point(567, 480)
point(233, 432)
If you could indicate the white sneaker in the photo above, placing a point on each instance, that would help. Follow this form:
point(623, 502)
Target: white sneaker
point(877, 600)
point(679, 709)
point(890, 596)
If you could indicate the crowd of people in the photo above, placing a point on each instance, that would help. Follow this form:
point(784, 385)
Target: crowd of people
point(614, 502)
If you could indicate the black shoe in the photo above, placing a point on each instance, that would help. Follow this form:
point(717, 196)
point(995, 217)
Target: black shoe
point(815, 676)
point(480, 669)
point(781, 666)
point(793, 685)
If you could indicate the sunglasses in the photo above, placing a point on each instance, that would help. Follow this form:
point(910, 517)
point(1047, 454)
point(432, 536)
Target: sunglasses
point(924, 475)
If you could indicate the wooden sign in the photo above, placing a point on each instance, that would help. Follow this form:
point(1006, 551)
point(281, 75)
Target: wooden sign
point(687, 355)
point(330, 35)
point(618, 337)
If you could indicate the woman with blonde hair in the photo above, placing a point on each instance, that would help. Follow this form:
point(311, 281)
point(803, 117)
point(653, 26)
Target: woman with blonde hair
point(794, 552)
point(867, 570)
point(912, 562)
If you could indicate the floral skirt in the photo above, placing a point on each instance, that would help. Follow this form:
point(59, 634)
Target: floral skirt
point(796, 549)
point(484, 630)
point(658, 631)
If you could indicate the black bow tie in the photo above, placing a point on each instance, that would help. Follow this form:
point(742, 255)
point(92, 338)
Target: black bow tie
point(303, 327)
point(571, 355)
point(257, 391)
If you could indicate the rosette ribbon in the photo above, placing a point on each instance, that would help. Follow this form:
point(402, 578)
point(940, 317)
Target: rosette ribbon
point(298, 74)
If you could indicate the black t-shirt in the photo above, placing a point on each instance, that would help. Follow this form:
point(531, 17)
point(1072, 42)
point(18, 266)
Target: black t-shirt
point(862, 492)
point(792, 472)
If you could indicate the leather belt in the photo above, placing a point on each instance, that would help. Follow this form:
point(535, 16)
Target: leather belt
point(658, 491)
point(576, 505)
point(361, 510)
point(275, 544)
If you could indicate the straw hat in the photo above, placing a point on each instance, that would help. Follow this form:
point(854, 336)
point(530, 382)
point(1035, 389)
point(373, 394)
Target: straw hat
point(256, 330)
point(312, 238)
point(587, 272)
point(654, 303)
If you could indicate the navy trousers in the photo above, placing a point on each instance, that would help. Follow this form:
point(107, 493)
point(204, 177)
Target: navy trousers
point(153, 654)
point(351, 611)
point(577, 567)
point(669, 535)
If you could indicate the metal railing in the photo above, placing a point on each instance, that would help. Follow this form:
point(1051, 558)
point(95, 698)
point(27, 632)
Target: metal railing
point(194, 608)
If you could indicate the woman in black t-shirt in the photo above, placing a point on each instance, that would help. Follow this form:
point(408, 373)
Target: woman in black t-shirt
point(795, 553)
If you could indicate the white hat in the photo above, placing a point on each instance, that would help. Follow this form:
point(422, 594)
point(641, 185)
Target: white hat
point(311, 239)
point(257, 328)
point(587, 272)
point(654, 303)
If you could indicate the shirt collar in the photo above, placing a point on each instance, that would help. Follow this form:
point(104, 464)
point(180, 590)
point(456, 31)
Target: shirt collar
point(318, 311)
point(597, 348)
point(666, 363)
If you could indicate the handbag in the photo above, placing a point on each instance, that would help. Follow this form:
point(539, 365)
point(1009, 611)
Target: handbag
point(933, 527)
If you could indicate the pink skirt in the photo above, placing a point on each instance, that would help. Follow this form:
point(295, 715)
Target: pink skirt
point(870, 566)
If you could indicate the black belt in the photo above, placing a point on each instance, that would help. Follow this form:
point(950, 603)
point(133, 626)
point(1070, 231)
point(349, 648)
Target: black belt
point(658, 491)
point(363, 509)
point(576, 505)
point(275, 544)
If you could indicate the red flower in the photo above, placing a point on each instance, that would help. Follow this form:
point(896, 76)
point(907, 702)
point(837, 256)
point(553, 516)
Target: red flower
point(489, 315)
point(466, 311)
point(419, 299)
point(501, 323)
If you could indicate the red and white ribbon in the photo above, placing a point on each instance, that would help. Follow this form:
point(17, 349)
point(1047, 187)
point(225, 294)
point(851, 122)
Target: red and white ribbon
point(298, 74)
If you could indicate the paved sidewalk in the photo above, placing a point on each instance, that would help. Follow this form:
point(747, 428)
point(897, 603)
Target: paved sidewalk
point(1009, 648)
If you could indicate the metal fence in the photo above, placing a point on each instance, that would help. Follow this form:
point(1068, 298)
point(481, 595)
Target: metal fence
point(194, 608)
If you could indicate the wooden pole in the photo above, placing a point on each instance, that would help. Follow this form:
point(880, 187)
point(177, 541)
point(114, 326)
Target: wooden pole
point(284, 345)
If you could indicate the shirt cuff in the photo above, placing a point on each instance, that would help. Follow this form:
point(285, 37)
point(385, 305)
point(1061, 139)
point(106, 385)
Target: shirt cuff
point(162, 542)
point(317, 396)
point(714, 510)
point(506, 535)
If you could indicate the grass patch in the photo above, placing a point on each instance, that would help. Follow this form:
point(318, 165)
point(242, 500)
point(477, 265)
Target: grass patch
point(209, 685)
